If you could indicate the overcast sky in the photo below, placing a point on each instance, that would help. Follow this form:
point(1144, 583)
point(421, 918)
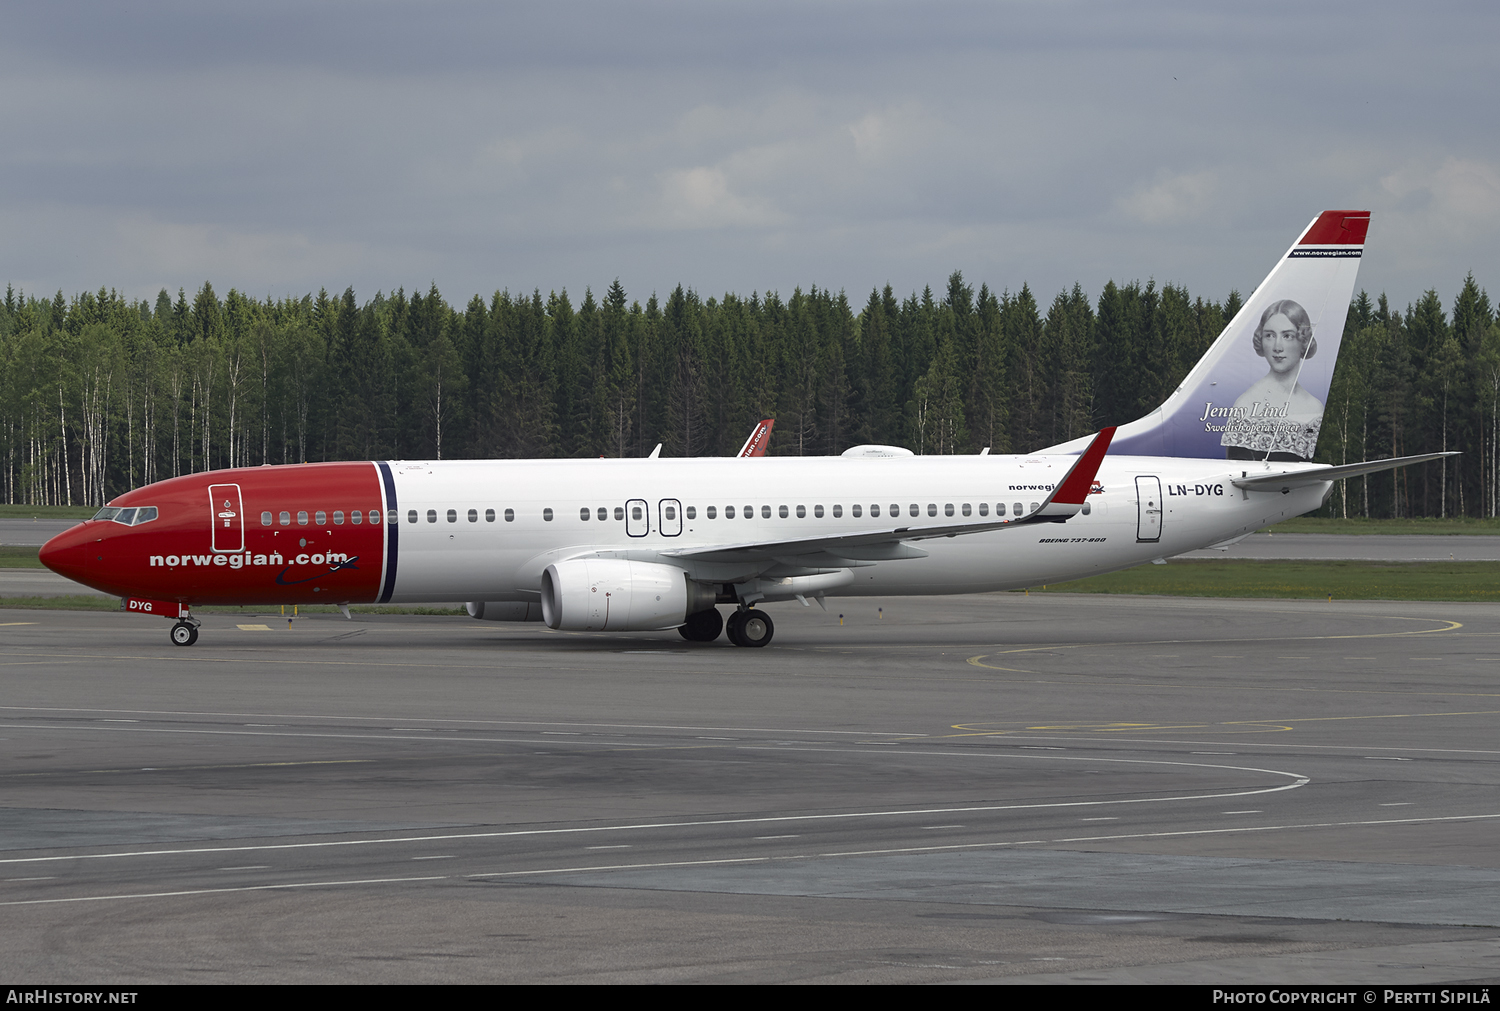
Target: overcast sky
point(283, 147)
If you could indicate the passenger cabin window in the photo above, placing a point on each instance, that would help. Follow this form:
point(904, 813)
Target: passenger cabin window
point(999, 508)
point(712, 512)
point(931, 509)
point(603, 514)
point(817, 511)
point(1018, 508)
point(390, 516)
point(583, 514)
point(302, 517)
point(838, 511)
point(473, 515)
point(729, 512)
point(286, 519)
point(782, 512)
point(802, 512)
point(692, 512)
point(452, 515)
point(765, 512)
point(619, 512)
point(547, 514)
point(265, 519)
point(432, 516)
point(967, 510)
point(984, 509)
point(510, 515)
point(411, 516)
point(321, 518)
point(489, 515)
point(338, 517)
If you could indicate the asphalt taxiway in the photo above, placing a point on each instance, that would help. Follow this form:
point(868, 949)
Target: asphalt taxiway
point(987, 788)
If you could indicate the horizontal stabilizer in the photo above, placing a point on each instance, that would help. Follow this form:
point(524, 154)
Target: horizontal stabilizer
point(1301, 478)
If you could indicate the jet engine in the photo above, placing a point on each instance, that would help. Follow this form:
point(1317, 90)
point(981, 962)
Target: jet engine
point(619, 595)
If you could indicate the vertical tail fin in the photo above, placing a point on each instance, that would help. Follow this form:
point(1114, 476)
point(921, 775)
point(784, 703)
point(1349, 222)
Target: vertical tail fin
point(1259, 392)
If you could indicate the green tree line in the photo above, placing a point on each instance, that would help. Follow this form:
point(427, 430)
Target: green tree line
point(100, 394)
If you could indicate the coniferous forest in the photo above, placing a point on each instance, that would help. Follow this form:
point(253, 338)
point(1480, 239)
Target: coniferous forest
point(99, 394)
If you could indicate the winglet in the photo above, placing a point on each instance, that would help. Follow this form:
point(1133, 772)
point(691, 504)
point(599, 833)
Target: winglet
point(1072, 491)
point(759, 439)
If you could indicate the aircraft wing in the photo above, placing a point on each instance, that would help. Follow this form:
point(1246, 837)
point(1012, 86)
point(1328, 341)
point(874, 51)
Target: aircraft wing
point(1062, 503)
point(1287, 480)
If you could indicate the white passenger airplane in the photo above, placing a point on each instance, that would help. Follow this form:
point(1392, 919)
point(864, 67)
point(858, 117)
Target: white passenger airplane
point(638, 545)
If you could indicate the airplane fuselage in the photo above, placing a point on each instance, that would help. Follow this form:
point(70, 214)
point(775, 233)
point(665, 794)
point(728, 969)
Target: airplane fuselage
point(487, 530)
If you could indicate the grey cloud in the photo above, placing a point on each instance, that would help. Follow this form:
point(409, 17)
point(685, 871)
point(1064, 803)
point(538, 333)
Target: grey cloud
point(285, 147)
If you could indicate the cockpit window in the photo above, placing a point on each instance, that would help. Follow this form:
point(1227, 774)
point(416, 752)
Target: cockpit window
point(132, 517)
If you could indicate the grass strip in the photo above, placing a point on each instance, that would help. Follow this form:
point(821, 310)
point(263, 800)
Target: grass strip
point(20, 556)
point(46, 512)
point(1311, 580)
point(1329, 525)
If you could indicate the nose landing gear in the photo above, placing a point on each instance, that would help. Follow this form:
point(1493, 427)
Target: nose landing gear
point(184, 634)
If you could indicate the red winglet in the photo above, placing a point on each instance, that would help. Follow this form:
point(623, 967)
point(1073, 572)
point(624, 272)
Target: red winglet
point(759, 439)
point(1337, 228)
point(1075, 486)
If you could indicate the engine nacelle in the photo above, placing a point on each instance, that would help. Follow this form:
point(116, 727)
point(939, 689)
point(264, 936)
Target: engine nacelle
point(504, 610)
point(619, 595)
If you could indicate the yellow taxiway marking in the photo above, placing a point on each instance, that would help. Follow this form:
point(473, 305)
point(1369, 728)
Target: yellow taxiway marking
point(1231, 726)
point(4, 623)
point(255, 628)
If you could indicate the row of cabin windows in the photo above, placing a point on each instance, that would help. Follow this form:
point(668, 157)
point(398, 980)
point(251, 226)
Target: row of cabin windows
point(357, 517)
point(857, 511)
point(712, 512)
point(489, 515)
point(320, 518)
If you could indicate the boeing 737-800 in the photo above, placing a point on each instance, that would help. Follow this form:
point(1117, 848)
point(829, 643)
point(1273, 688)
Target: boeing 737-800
point(637, 545)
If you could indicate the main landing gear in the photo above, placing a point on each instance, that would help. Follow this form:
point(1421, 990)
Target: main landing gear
point(184, 633)
point(747, 627)
point(702, 626)
point(750, 628)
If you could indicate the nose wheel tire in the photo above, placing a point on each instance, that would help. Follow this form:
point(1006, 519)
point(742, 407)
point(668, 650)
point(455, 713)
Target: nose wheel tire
point(184, 634)
point(703, 626)
point(750, 628)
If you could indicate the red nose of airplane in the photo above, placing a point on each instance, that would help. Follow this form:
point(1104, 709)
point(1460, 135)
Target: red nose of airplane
point(67, 554)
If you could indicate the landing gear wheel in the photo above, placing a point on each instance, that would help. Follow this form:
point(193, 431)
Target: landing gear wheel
point(184, 634)
point(733, 625)
point(750, 628)
point(703, 626)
